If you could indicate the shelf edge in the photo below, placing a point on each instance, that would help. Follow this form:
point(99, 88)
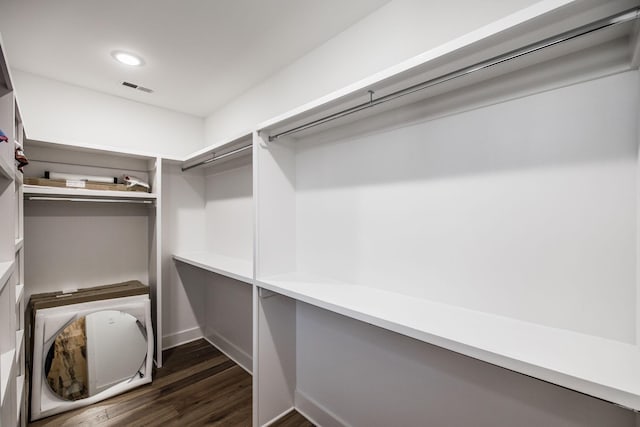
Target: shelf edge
point(242, 277)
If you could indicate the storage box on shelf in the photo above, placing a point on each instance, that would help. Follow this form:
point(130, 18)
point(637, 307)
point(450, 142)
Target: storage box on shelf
point(490, 211)
point(224, 245)
point(108, 236)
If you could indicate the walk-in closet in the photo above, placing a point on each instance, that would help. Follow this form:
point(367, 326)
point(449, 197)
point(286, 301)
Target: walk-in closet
point(296, 213)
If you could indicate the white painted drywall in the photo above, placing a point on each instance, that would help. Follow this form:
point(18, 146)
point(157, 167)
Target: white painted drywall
point(229, 317)
point(72, 245)
point(53, 111)
point(212, 212)
point(397, 31)
point(525, 208)
point(229, 212)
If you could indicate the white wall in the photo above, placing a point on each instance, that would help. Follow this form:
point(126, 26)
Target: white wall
point(212, 212)
point(525, 208)
point(183, 291)
point(393, 33)
point(229, 212)
point(84, 245)
point(58, 112)
point(229, 232)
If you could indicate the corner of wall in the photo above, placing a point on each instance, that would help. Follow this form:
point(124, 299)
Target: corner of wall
point(60, 112)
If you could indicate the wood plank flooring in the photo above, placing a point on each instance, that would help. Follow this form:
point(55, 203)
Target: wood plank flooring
point(197, 386)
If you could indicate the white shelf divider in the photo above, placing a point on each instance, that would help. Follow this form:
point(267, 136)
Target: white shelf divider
point(570, 359)
point(19, 343)
point(6, 269)
point(19, 293)
point(234, 268)
point(7, 361)
point(36, 190)
point(19, 393)
point(19, 244)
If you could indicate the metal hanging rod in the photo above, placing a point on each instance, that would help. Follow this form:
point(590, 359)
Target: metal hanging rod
point(620, 18)
point(221, 156)
point(79, 199)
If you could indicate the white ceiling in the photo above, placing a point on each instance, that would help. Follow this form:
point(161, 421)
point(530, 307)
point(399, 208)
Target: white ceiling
point(199, 54)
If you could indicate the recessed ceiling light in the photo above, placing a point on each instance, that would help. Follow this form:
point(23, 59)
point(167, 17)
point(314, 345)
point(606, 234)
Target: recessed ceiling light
point(127, 58)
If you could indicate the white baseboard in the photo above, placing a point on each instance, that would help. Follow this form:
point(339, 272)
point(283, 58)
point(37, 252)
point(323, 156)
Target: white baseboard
point(182, 337)
point(316, 413)
point(232, 351)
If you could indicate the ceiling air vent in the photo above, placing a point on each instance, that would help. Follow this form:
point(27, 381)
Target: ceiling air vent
point(137, 87)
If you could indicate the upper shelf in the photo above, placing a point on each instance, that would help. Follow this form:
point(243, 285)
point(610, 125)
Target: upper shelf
point(499, 48)
point(234, 268)
point(595, 366)
point(105, 151)
point(79, 194)
point(231, 153)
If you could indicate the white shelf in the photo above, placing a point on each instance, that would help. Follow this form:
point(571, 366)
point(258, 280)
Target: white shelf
point(19, 293)
point(6, 171)
point(235, 268)
point(592, 365)
point(234, 151)
point(19, 344)
point(36, 190)
point(19, 393)
point(19, 244)
point(6, 269)
point(7, 361)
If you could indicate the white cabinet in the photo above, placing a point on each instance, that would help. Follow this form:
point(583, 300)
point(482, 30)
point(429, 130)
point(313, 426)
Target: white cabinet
point(490, 211)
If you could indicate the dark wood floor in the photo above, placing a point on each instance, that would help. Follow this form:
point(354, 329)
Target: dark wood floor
point(198, 385)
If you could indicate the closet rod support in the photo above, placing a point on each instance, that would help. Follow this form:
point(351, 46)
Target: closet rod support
point(215, 158)
point(620, 18)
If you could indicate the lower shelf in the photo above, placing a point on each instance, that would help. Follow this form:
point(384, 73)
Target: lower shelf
point(592, 365)
point(236, 268)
